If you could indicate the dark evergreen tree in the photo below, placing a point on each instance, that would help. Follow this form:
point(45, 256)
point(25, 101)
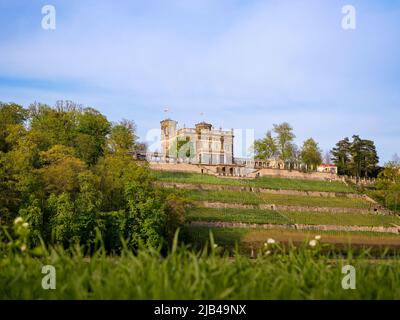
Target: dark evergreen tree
point(341, 156)
point(358, 157)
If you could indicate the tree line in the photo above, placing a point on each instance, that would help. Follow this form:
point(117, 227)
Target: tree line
point(278, 143)
point(387, 187)
point(67, 171)
point(357, 157)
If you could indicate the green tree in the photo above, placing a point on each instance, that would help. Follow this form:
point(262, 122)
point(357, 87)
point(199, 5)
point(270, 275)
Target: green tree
point(33, 214)
point(357, 157)
point(388, 184)
point(284, 140)
point(87, 205)
point(62, 219)
point(18, 168)
point(394, 190)
point(84, 129)
point(75, 221)
point(122, 137)
point(364, 157)
point(115, 171)
point(51, 126)
point(60, 170)
point(341, 156)
point(175, 214)
point(11, 115)
point(9, 197)
point(311, 154)
point(92, 130)
point(266, 147)
point(56, 173)
point(145, 216)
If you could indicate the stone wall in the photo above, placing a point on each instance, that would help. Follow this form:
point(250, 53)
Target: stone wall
point(318, 227)
point(181, 167)
point(204, 186)
point(186, 167)
point(292, 208)
point(265, 172)
point(283, 173)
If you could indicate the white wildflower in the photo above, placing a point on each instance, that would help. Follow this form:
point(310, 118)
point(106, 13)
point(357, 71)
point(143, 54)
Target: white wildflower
point(25, 224)
point(268, 252)
point(18, 220)
point(23, 247)
point(313, 243)
point(270, 241)
point(215, 245)
point(318, 237)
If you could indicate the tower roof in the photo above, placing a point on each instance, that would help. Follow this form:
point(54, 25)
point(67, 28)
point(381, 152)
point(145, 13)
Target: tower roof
point(168, 120)
point(203, 125)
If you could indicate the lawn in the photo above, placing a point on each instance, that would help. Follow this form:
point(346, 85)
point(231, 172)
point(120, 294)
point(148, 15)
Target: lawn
point(264, 182)
point(294, 273)
point(244, 197)
point(278, 217)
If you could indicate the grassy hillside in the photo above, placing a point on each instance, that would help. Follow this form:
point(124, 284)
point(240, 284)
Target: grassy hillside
point(264, 182)
point(275, 217)
point(237, 215)
point(278, 199)
point(339, 199)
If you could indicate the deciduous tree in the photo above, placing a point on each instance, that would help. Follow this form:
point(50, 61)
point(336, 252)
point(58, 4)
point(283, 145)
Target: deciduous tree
point(311, 154)
point(284, 140)
point(266, 147)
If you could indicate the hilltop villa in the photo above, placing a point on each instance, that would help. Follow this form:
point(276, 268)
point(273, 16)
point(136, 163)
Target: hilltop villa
point(208, 150)
point(202, 144)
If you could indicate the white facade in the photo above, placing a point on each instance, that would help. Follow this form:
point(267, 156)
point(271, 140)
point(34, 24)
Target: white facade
point(328, 168)
point(202, 144)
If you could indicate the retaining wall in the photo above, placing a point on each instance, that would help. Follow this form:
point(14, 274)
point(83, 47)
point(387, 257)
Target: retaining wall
point(271, 206)
point(395, 230)
point(264, 172)
point(283, 173)
point(220, 187)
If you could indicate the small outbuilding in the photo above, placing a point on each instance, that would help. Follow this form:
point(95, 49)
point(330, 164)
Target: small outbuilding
point(327, 168)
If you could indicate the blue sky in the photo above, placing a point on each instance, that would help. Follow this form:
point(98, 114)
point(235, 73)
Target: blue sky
point(243, 64)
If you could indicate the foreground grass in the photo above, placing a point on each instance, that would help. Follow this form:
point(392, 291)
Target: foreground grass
point(280, 217)
point(278, 199)
point(264, 182)
point(301, 273)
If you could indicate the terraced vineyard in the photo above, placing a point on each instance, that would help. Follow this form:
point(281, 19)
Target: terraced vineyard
point(264, 182)
point(249, 211)
point(276, 217)
point(229, 196)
